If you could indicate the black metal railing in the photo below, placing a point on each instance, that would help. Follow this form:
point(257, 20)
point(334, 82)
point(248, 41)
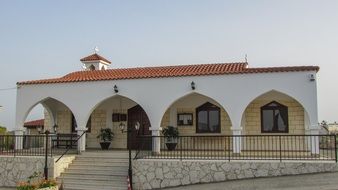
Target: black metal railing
point(23, 145)
point(241, 147)
point(68, 148)
point(35, 145)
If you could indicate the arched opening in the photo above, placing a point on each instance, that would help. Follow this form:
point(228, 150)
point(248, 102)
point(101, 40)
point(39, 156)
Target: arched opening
point(274, 113)
point(113, 113)
point(198, 119)
point(92, 67)
point(258, 112)
point(184, 114)
point(52, 115)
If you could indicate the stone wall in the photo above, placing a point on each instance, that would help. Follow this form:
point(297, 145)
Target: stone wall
point(100, 118)
point(98, 121)
point(191, 129)
point(154, 174)
point(64, 121)
point(120, 139)
point(16, 169)
point(252, 126)
point(59, 167)
point(47, 120)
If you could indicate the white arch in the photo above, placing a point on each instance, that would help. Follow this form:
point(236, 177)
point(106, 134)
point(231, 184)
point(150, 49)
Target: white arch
point(29, 108)
point(97, 104)
point(307, 120)
point(178, 97)
point(50, 113)
point(195, 93)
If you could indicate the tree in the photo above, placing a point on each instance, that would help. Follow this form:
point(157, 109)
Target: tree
point(3, 130)
point(325, 126)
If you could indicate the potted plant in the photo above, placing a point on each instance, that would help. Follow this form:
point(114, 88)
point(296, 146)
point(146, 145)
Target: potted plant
point(105, 136)
point(171, 134)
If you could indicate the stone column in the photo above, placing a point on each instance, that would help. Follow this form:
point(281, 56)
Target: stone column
point(156, 141)
point(236, 140)
point(81, 144)
point(19, 139)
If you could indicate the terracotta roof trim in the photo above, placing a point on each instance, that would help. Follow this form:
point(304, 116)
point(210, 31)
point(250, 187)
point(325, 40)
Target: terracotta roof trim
point(39, 122)
point(168, 71)
point(95, 57)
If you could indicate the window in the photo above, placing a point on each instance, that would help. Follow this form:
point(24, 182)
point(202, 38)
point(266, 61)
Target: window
point(208, 119)
point(184, 119)
point(274, 118)
point(88, 126)
point(117, 117)
point(92, 67)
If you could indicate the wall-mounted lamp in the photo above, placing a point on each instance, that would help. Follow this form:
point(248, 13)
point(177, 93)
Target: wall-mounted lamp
point(39, 128)
point(312, 77)
point(137, 126)
point(55, 128)
point(193, 85)
point(116, 90)
point(123, 127)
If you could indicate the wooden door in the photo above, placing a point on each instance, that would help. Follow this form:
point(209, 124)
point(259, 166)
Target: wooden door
point(137, 114)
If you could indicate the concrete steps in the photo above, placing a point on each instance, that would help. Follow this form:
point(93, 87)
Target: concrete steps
point(101, 160)
point(97, 170)
point(93, 177)
point(101, 167)
point(99, 164)
point(93, 187)
point(94, 182)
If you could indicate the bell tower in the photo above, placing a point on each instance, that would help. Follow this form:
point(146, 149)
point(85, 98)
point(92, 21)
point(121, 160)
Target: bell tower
point(95, 62)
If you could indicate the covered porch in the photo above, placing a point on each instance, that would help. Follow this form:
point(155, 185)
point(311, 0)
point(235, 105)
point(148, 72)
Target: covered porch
point(204, 125)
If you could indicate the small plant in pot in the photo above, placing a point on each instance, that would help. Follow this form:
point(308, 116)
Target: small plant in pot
point(105, 136)
point(171, 135)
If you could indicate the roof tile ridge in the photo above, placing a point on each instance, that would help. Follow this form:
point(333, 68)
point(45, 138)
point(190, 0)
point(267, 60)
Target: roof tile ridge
point(185, 65)
point(284, 67)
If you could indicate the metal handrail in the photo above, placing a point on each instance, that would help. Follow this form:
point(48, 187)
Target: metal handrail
point(68, 148)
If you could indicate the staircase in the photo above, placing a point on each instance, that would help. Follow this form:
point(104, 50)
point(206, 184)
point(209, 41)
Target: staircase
point(94, 170)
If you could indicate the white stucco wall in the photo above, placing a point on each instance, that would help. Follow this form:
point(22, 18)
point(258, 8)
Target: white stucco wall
point(233, 92)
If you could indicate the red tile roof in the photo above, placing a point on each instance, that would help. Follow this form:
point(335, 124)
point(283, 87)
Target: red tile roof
point(95, 57)
point(167, 71)
point(39, 122)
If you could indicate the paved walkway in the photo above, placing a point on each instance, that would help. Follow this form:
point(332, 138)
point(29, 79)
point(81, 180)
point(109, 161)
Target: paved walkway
point(324, 181)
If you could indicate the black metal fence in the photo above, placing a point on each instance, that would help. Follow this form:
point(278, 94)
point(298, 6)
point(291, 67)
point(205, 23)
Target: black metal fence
point(242, 147)
point(34, 145)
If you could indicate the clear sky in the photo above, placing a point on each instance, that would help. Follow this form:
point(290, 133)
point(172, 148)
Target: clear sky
point(43, 39)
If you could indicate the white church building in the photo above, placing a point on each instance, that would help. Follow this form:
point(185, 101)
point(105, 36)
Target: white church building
point(200, 100)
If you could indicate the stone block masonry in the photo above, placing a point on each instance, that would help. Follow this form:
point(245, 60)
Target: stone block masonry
point(16, 169)
point(155, 174)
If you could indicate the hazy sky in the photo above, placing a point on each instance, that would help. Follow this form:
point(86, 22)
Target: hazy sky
point(43, 39)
